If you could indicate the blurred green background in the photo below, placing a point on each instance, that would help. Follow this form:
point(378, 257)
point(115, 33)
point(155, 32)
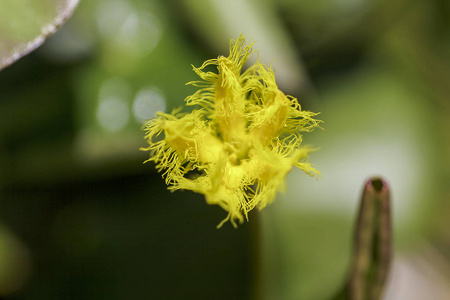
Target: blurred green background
point(82, 218)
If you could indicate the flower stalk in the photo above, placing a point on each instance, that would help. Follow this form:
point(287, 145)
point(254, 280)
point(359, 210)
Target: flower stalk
point(372, 244)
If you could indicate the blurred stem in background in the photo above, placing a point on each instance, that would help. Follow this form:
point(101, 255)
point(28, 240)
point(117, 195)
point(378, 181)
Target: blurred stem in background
point(216, 22)
point(372, 245)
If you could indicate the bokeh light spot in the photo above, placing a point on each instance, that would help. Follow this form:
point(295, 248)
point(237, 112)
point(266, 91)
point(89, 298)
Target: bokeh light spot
point(127, 28)
point(113, 114)
point(147, 103)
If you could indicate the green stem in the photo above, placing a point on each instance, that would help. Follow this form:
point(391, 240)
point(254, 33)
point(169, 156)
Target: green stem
point(372, 244)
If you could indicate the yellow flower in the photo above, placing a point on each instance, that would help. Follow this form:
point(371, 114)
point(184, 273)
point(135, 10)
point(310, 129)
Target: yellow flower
point(238, 146)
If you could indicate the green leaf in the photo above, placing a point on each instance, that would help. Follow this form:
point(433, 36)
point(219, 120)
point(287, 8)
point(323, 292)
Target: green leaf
point(25, 24)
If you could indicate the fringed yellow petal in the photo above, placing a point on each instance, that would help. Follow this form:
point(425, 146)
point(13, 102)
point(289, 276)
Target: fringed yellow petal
point(239, 146)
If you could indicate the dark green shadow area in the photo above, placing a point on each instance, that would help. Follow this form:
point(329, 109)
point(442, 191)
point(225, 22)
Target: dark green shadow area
point(127, 238)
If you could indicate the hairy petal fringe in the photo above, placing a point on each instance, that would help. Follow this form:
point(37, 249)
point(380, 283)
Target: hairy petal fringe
point(238, 147)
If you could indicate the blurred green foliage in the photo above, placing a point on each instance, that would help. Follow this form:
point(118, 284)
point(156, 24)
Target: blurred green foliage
point(94, 223)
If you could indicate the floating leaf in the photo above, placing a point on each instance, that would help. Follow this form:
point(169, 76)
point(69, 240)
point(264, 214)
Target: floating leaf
point(25, 24)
